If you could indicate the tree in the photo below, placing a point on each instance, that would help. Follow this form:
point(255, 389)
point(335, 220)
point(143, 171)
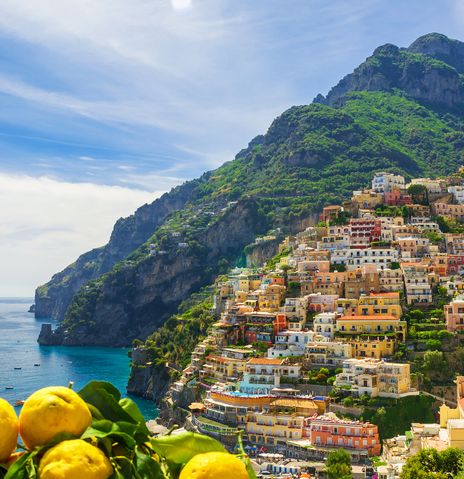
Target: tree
point(338, 464)
point(432, 464)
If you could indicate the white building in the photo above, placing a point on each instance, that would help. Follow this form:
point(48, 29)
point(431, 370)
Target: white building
point(383, 182)
point(458, 193)
point(328, 353)
point(263, 374)
point(376, 377)
point(432, 186)
point(354, 258)
point(292, 343)
point(324, 324)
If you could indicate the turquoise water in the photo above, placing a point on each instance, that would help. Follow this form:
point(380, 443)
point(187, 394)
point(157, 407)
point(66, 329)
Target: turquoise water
point(58, 364)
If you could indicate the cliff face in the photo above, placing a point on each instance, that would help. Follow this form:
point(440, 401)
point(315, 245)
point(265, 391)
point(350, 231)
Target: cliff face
point(429, 71)
point(137, 297)
point(52, 299)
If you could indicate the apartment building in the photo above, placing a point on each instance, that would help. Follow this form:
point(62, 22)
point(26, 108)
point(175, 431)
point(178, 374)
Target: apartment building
point(329, 431)
point(455, 212)
point(354, 258)
point(324, 324)
point(373, 326)
point(383, 182)
point(273, 428)
point(454, 314)
point(263, 374)
point(329, 353)
point(391, 280)
point(416, 282)
point(376, 378)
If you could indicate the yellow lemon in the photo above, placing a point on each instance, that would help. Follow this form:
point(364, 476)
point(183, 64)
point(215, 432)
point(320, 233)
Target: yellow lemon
point(51, 411)
point(9, 430)
point(214, 465)
point(74, 459)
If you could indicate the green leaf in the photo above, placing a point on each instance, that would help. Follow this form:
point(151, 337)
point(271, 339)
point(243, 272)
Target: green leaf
point(22, 468)
point(180, 448)
point(146, 466)
point(104, 396)
point(132, 409)
point(249, 468)
point(118, 431)
point(92, 386)
point(123, 469)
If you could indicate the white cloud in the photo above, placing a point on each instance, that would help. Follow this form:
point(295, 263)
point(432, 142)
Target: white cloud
point(45, 224)
point(181, 4)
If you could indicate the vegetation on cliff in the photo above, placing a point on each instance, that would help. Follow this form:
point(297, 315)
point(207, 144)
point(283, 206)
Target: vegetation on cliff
point(174, 342)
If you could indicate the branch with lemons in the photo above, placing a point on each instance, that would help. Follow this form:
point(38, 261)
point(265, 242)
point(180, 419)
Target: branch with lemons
point(96, 434)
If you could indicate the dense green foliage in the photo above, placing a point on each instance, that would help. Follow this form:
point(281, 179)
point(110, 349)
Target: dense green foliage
point(338, 464)
point(394, 416)
point(433, 464)
point(177, 338)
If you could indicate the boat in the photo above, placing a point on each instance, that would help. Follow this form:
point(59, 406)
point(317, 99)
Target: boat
point(36, 364)
point(9, 387)
point(17, 368)
point(20, 402)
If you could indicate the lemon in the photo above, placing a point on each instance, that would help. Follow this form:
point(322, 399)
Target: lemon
point(9, 430)
point(74, 459)
point(51, 411)
point(214, 465)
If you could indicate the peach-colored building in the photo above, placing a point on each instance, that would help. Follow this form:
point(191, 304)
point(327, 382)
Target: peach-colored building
point(454, 314)
point(455, 212)
point(329, 431)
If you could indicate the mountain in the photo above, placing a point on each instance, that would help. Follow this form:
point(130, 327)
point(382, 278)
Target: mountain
point(400, 110)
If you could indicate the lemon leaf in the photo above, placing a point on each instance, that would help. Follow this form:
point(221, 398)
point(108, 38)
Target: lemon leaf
point(180, 448)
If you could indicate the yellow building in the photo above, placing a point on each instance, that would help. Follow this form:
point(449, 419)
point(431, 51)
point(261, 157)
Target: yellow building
point(376, 378)
point(375, 348)
point(346, 306)
point(300, 406)
point(223, 368)
point(240, 296)
point(270, 299)
point(366, 199)
point(269, 428)
point(453, 419)
point(380, 303)
point(374, 325)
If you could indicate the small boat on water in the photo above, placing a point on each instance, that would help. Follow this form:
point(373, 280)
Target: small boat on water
point(20, 402)
point(9, 387)
point(36, 364)
point(17, 368)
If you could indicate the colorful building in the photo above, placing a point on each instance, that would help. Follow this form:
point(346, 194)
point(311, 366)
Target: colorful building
point(329, 431)
point(376, 378)
point(454, 315)
point(372, 325)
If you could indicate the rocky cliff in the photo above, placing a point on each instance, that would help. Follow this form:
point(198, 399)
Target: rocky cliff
point(429, 70)
point(137, 296)
point(52, 299)
point(401, 111)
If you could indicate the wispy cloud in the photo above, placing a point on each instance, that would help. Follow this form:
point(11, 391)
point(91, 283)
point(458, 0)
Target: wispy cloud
point(48, 223)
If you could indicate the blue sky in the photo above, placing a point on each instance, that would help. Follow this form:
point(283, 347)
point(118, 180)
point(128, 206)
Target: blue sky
point(118, 101)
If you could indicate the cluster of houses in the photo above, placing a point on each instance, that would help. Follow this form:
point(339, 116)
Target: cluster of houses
point(333, 302)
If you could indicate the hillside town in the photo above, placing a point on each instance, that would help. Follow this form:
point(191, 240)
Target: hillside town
point(305, 341)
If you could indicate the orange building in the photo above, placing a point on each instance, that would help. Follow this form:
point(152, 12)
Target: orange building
point(329, 431)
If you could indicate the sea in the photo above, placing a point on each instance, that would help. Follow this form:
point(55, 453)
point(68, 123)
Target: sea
point(25, 366)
